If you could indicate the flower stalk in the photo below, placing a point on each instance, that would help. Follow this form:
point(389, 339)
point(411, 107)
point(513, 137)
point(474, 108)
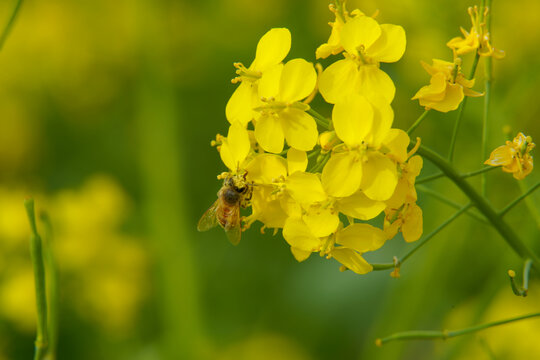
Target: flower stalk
point(36, 252)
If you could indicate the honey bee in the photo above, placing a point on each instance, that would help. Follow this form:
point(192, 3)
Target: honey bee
point(234, 194)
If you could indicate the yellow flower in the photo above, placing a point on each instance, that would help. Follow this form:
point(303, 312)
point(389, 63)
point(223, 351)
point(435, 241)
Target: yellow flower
point(366, 45)
point(235, 147)
point(407, 218)
point(475, 40)
point(282, 116)
point(514, 157)
point(271, 50)
point(333, 46)
point(357, 164)
point(447, 87)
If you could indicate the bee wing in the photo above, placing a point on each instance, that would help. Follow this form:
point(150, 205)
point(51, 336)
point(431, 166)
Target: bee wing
point(209, 218)
point(234, 229)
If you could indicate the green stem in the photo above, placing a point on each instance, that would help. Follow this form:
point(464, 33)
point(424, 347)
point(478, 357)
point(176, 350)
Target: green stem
point(429, 178)
point(449, 202)
point(320, 164)
point(526, 270)
point(421, 243)
point(479, 171)
point(482, 205)
point(460, 112)
point(488, 77)
point(52, 281)
point(445, 334)
point(417, 122)
point(10, 23)
point(516, 201)
point(36, 253)
point(321, 120)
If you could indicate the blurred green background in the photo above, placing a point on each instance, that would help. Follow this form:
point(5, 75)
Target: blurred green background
point(107, 109)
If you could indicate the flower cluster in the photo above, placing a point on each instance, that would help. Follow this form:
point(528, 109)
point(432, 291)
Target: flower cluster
point(321, 187)
point(514, 157)
point(448, 86)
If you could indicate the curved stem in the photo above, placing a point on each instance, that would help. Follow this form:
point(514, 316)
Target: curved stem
point(421, 243)
point(429, 178)
point(516, 201)
point(450, 202)
point(480, 171)
point(10, 23)
point(482, 205)
point(418, 122)
point(42, 338)
point(445, 334)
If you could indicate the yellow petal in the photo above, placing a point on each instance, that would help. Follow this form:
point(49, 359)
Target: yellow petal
point(390, 46)
point(322, 222)
point(379, 179)
point(266, 168)
point(269, 134)
point(236, 147)
point(299, 128)
point(267, 209)
point(435, 91)
point(296, 160)
point(239, 107)
point(272, 48)
point(399, 196)
point(300, 255)
point(373, 82)
point(361, 237)
point(342, 174)
point(269, 83)
point(298, 80)
point(305, 188)
point(383, 116)
point(338, 80)
point(359, 206)
point(501, 156)
point(353, 119)
point(351, 260)
point(412, 227)
point(453, 97)
point(360, 31)
point(298, 235)
point(397, 142)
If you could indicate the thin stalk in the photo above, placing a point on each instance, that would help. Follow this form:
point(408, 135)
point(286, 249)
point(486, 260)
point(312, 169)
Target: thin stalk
point(516, 201)
point(36, 253)
point(488, 78)
point(445, 334)
point(321, 120)
point(479, 171)
point(421, 243)
point(482, 205)
point(460, 112)
point(418, 122)
point(429, 178)
point(10, 23)
point(451, 203)
point(52, 281)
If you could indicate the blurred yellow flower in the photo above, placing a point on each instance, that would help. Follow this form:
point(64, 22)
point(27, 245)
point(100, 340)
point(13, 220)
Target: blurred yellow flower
point(478, 39)
point(447, 87)
point(514, 156)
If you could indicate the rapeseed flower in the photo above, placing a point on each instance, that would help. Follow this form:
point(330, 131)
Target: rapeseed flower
point(514, 157)
point(282, 116)
point(271, 50)
point(478, 39)
point(447, 88)
point(366, 44)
